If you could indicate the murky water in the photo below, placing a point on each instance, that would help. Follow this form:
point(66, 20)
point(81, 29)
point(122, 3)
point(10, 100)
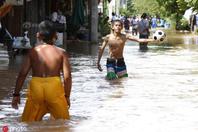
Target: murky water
point(160, 94)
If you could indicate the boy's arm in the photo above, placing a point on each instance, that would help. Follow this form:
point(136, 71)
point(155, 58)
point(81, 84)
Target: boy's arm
point(20, 80)
point(67, 77)
point(4, 9)
point(129, 37)
point(100, 52)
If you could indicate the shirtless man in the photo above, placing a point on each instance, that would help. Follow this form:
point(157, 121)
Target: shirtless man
point(46, 93)
point(116, 67)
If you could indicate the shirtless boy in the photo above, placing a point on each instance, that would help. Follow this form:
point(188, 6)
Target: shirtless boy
point(116, 67)
point(46, 93)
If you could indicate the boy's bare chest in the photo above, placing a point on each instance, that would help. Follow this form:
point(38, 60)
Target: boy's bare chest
point(116, 42)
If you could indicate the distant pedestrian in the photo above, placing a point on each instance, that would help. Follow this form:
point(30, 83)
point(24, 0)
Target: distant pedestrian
point(114, 17)
point(143, 29)
point(126, 24)
point(154, 22)
point(134, 24)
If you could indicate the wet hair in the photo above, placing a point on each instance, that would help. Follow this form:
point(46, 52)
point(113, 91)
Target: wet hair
point(144, 15)
point(47, 30)
point(113, 23)
point(117, 20)
point(2, 2)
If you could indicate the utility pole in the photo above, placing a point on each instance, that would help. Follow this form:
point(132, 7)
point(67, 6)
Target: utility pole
point(94, 21)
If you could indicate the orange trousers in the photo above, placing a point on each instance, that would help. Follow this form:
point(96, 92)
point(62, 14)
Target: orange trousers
point(45, 95)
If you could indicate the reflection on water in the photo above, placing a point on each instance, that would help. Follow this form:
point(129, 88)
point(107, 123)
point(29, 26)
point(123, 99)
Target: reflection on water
point(160, 94)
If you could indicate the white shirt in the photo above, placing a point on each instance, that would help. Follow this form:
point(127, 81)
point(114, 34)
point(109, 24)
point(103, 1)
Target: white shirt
point(54, 16)
point(58, 18)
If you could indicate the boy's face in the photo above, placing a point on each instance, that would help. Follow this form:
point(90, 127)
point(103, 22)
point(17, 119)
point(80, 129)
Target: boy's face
point(117, 27)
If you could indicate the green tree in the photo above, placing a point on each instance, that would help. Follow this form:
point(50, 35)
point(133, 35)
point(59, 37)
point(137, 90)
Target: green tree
point(193, 4)
point(175, 9)
point(105, 9)
point(148, 6)
point(129, 10)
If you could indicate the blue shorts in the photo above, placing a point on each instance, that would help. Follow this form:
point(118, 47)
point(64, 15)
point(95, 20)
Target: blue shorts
point(116, 68)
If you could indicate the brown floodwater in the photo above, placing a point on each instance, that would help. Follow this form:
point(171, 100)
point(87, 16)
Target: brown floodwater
point(160, 94)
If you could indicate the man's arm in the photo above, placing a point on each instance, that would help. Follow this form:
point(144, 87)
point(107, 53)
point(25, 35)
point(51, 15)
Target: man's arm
point(100, 52)
point(20, 80)
point(67, 77)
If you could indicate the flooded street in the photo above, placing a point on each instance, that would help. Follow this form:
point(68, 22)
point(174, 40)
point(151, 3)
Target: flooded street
point(160, 94)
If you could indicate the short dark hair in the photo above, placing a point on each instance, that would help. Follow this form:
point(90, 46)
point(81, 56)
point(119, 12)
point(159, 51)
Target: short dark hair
point(2, 2)
point(117, 20)
point(47, 30)
point(144, 16)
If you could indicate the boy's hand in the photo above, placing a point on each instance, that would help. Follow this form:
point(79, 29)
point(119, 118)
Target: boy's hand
point(68, 101)
point(99, 67)
point(15, 102)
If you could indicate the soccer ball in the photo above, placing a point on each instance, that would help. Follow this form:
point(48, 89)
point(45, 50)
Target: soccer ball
point(159, 35)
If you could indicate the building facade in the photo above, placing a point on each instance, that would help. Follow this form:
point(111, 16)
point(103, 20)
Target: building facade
point(26, 14)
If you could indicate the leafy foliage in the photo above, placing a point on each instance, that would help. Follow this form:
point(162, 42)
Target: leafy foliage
point(176, 9)
point(129, 10)
point(148, 6)
point(104, 25)
point(183, 24)
point(193, 4)
point(172, 9)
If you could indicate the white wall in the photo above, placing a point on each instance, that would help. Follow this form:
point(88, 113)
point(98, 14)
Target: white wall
point(16, 2)
point(111, 7)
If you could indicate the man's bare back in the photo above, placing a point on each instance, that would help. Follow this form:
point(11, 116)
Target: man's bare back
point(46, 60)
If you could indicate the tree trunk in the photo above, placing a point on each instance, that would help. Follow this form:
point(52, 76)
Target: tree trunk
point(177, 21)
point(94, 21)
